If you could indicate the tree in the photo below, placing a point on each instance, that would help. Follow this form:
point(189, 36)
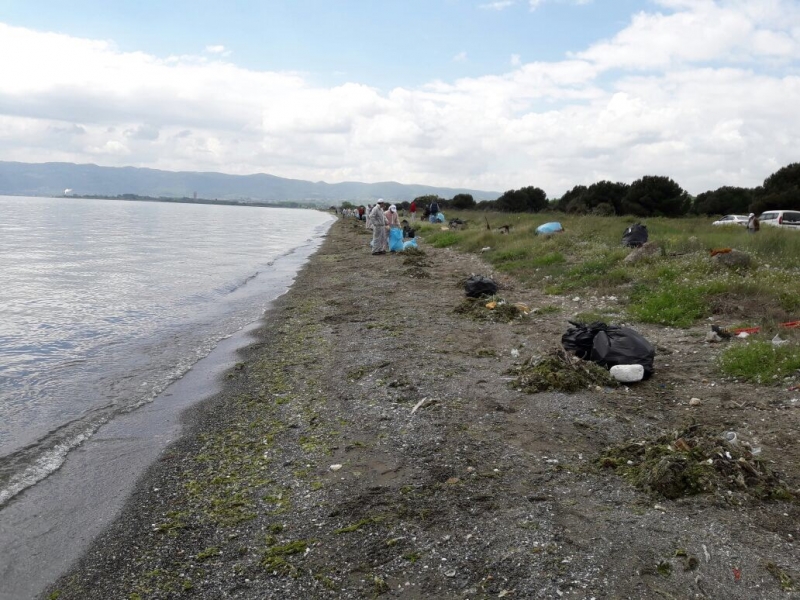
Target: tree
point(723, 200)
point(657, 196)
point(781, 190)
point(463, 201)
point(573, 200)
point(347, 204)
point(606, 193)
point(527, 199)
point(424, 202)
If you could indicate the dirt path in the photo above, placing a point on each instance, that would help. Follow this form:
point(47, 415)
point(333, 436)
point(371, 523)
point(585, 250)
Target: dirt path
point(313, 476)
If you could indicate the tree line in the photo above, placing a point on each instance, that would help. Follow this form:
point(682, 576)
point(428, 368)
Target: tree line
point(650, 196)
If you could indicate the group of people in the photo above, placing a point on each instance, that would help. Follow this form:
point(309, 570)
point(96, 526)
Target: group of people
point(382, 221)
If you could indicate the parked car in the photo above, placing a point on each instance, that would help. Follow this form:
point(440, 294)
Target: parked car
point(732, 220)
point(789, 219)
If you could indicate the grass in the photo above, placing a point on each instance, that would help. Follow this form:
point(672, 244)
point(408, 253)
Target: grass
point(760, 361)
point(676, 288)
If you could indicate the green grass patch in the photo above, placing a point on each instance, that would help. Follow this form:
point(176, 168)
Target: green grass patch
point(442, 239)
point(672, 304)
point(760, 361)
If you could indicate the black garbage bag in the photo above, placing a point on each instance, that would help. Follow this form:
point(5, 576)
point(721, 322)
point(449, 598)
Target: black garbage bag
point(478, 285)
point(622, 346)
point(609, 345)
point(579, 339)
point(635, 235)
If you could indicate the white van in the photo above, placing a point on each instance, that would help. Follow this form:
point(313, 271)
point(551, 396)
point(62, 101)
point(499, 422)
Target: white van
point(789, 219)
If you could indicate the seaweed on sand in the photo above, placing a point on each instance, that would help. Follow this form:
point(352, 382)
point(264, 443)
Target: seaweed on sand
point(479, 309)
point(693, 461)
point(558, 371)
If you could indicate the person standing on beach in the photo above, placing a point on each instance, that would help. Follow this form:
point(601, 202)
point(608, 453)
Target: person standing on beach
point(377, 220)
point(413, 210)
point(753, 224)
point(392, 218)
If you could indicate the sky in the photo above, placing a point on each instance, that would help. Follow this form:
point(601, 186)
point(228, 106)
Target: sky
point(481, 94)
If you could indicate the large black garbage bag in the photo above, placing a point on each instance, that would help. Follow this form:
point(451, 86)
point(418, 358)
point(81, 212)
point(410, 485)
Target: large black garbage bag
point(635, 235)
point(478, 285)
point(609, 345)
point(622, 346)
point(579, 339)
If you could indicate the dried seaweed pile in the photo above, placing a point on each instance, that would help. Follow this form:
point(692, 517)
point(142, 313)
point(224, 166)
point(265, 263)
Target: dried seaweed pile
point(560, 372)
point(493, 309)
point(692, 461)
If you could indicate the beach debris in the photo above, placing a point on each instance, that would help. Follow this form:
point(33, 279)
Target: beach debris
point(486, 249)
point(514, 353)
point(694, 461)
point(712, 337)
point(419, 405)
point(558, 371)
point(478, 310)
point(478, 286)
point(635, 236)
point(695, 402)
point(491, 305)
point(335, 467)
point(721, 332)
point(549, 228)
point(742, 335)
point(609, 345)
point(778, 342)
point(627, 373)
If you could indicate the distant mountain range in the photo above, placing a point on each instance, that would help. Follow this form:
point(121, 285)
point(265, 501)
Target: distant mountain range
point(53, 179)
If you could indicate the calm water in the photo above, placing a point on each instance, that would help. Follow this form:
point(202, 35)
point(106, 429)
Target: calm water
point(104, 303)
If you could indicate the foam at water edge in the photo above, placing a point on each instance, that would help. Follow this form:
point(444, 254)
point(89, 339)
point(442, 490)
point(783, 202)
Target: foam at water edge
point(44, 465)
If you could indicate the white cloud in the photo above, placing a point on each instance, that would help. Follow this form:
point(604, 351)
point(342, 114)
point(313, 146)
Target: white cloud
point(499, 5)
point(704, 92)
point(534, 4)
point(219, 50)
point(516, 60)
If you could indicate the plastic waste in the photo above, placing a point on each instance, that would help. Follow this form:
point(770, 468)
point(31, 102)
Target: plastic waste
point(627, 373)
point(635, 235)
point(412, 243)
point(395, 239)
point(777, 341)
point(478, 285)
point(609, 345)
point(548, 228)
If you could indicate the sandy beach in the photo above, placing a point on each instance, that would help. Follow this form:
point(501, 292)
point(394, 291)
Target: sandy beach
point(372, 443)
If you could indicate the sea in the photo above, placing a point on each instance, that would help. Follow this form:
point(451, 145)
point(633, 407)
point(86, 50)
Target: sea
point(105, 303)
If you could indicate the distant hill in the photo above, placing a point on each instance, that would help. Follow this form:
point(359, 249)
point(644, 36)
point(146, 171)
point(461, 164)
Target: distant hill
point(52, 179)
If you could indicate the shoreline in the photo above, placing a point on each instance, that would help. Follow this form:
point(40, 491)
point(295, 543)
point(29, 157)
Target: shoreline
point(50, 524)
point(368, 443)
